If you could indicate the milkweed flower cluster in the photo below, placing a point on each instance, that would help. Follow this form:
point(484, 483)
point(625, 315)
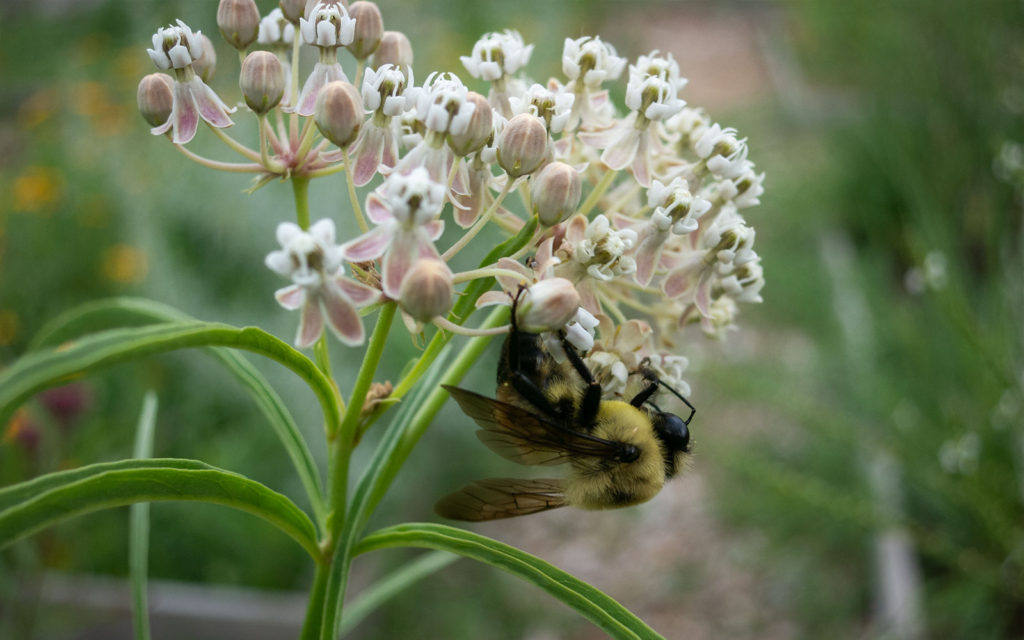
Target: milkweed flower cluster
point(631, 233)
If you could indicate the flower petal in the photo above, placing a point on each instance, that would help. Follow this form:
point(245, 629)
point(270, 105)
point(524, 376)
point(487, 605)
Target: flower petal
point(369, 150)
point(184, 114)
point(377, 210)
point(310, 326)
point(703, 296)
point(620, 154)
point(306, 103)
point(291, 297)
point(211, 107)
point(642, 162)
point(342, 317)
point(434, 229)
point(398, 261)
point(647, 254)
point(360, 294)
point(369, 246)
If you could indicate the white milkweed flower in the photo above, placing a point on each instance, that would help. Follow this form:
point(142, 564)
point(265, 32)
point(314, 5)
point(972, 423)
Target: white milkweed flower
point(328, 25)
point(579, 332)
point(383, 95)
point(603, 249)
point(384, 89)
point(653, 87)
point(442, 106)
point(676, 211)
point(405, 213)
point(553, 105)
point(175, 48)
point(725, 155)
point(591, 61)
point(496, 55)
point(319, 287)
point(275, 30)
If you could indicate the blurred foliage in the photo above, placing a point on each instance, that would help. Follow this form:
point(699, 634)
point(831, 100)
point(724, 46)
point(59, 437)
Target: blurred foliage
point(928, 370)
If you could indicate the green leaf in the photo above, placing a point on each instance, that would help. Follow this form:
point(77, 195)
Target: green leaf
point(391, 585)
point(39, 370)
point(590, 602)
point(119, 312)
point(55, 497)
point(138, 528)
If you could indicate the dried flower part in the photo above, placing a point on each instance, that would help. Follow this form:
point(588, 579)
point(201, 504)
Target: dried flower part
point(339, 113)
point(369, 29)
point(379, 391)
point(394, 49)
point(555, 192)
point(239, 22)
point(547, 305)
point(292, 10)
point(479, 130)
point(523, 146)
point(206, 64)
point(155, 98)
point(427, 290)
point(262, 81)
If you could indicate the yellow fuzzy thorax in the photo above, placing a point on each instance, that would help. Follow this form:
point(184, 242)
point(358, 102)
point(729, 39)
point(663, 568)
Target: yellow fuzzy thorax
point(605, 484)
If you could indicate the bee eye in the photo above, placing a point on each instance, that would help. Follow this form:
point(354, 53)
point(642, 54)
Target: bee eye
point(673, 432)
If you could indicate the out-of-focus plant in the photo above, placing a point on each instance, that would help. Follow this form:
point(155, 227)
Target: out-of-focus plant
point(660, 243)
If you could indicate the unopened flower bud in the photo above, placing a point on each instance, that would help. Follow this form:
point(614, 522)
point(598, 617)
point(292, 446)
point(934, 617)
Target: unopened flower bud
point(155, 98)
point(292, 9)
point(206, 64)
point(427, 290)
point(479, 130)
point(369, 29)
point(555, 192)
point(239, 22)
point(523, 145)
point(547, 306)
point(262, 81)
point(394, 48)
point(339, 112)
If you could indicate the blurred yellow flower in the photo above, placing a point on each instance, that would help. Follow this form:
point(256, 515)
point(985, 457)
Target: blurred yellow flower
point(37, 189)
point(8, 327)
point(92, 100)
point(38, 108)
point(124, 264)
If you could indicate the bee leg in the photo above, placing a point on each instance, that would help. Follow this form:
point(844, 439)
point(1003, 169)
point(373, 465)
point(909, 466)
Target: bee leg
point(645, 394)
point(592, 396)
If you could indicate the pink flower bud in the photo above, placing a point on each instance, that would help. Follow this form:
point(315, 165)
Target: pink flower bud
point(394, 48)
point(479, 130)
point(156, 98)
point(427, 290)
point(206, 64)
point(547, 305)
point(292, 9)
point(339, 112)
point(555, 192)
point(369, 29)
point(523, 145)
point(262, 81)
point(239, 22)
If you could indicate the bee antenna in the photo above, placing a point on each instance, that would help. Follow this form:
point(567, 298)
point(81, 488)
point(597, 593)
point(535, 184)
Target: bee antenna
point(693, 410)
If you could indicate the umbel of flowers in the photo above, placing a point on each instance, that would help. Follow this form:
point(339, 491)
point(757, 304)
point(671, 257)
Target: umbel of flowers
point(640, 208)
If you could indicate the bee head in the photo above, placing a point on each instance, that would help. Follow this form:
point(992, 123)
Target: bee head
point(672, 431)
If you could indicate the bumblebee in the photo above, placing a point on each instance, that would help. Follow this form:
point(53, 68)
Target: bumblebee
point(619, 453)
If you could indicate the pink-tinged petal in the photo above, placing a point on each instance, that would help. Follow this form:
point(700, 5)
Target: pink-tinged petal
point(599, 98)
point(165, 127)
point(307, 98)
point(434, 229)
point(291, 298)
point(360, 294)
point(369, 151)
point(211, 107)
point(390, 157)
point(377, 209)
point(588, 299)
point(369, 246)
point(632, 335)
point(703, 296)
point(342, 317)
point(493, 297)
point(470, 205)
point(642, 161)
point(398, 261)
point(646, 257)
point(184, 114)
point(508, 283)
point(622, 152)
point(310, 326)
point(678, 282)
point(576, 229)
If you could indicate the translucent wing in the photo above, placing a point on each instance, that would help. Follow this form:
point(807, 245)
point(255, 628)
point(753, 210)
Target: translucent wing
point(525, 437)
point(496, 498)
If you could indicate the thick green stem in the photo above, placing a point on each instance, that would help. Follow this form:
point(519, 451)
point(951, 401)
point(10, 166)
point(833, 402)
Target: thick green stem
point(315, 607)
point(300, 186)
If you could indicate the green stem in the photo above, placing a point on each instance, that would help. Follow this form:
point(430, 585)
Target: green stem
point(300, 186)
point(314, 609)
point(233, 167)
point(595, 195)
point(322, 356)
point(356, 208)
point(480, 224)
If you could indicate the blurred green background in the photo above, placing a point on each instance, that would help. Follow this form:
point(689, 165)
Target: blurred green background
point(860, 467)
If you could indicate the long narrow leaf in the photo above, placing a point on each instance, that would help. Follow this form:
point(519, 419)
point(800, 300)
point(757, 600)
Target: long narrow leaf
point(589, 601)
point(391, 585)
point(123, 311)
point(67, 494)
point(138, 528)
point(39, 370)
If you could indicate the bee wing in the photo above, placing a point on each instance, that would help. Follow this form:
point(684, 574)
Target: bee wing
point(525, 437)
point(496, 498)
